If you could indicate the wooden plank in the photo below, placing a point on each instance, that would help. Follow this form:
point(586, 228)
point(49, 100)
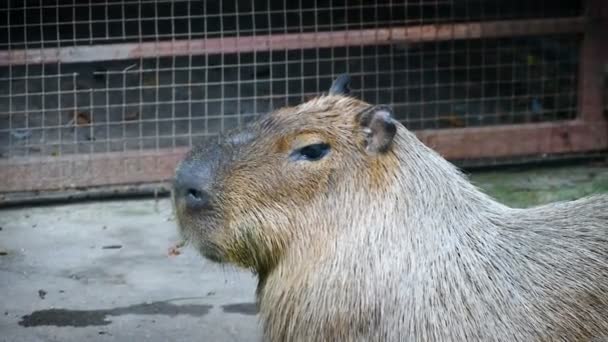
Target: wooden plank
point(379, 36)
point(79, 171)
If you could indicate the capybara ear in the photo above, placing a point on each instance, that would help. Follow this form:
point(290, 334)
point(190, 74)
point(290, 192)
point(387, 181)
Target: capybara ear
point(340, 86)
point(380, 128)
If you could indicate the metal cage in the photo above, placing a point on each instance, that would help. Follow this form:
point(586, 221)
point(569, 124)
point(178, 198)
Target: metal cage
point(97, 94)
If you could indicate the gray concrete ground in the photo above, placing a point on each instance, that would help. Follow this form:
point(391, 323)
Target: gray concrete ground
point(101, 272)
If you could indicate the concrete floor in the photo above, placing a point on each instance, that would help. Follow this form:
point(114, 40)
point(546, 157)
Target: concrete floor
point(101, 271)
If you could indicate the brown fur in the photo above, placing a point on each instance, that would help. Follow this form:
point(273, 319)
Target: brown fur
point(395, 246)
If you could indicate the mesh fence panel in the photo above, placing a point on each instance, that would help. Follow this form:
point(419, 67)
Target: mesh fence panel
point(98, 90)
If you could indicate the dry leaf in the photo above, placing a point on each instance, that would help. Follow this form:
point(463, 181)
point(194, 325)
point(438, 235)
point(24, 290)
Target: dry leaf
point(80, 119)
point(175, 249)
point(453, 121)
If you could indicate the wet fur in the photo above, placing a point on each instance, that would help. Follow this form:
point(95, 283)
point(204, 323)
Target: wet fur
point(399, 246)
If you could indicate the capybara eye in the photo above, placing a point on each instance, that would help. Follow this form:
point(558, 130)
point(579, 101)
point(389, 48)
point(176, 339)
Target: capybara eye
point(312, 152)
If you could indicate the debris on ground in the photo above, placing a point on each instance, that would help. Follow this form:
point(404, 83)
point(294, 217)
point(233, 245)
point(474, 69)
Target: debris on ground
point(41, 294)
point(80, 118)
point(111, 247)
point(175, 249)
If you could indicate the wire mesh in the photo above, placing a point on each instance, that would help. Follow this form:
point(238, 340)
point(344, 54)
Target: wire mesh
point(59, 107)
point(35, 23)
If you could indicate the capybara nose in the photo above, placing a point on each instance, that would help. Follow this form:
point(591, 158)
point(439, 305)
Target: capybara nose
point(190, 186)
point(197, 199)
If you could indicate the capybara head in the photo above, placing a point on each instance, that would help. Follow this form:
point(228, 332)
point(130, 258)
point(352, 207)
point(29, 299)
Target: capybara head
point(245, 198)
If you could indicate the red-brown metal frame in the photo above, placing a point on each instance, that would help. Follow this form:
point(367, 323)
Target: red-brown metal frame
point(588, 132)
point(227, 45)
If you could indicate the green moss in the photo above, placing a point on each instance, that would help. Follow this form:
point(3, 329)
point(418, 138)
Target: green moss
point(525, 188)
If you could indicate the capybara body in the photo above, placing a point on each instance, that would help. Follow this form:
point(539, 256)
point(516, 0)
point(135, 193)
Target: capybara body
point(359, 232)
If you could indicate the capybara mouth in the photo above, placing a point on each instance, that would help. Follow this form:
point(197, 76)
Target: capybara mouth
point(195, 232)
point(209, 250)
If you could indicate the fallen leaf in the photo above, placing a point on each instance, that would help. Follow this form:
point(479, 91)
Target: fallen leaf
point(82, 118)
point(453, 121)
point(175, 249)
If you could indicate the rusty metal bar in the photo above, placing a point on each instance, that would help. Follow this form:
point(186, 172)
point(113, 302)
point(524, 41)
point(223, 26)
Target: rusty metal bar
point(594, 55)
point(413, 34)
point(79, 171)
point(517, 140)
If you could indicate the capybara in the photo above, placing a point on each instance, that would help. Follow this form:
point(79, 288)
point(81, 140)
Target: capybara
point(357, 231)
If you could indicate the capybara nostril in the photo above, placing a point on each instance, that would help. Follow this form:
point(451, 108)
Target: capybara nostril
point(197, 199)
point(191, 186)
point(195, 194)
